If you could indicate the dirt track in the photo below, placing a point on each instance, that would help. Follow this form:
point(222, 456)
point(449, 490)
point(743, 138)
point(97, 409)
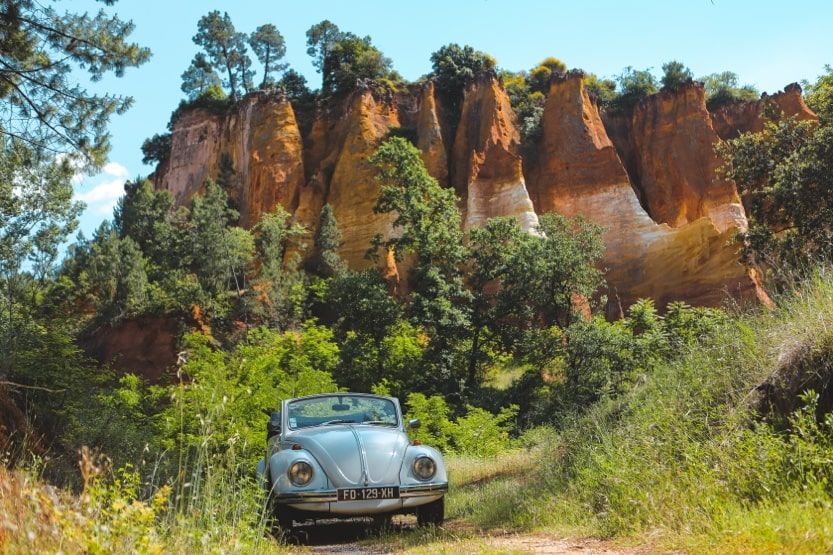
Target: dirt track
point(354, 537)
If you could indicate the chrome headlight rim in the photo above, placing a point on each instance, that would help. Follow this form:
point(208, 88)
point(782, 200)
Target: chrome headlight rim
point(300, 473)
point(421, 467)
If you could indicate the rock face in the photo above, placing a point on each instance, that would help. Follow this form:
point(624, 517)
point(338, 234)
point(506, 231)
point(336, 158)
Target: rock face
point(579, 172)
point(745, 117)
point(145, 346)
point(487, 168)
point(258, 145)
point(676, 167)
point(648, 177)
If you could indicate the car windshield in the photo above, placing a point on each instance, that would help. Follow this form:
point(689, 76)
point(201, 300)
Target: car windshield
point(342, 409)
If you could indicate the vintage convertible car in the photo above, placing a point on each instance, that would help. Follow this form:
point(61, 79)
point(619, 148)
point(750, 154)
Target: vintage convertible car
point(345, 455)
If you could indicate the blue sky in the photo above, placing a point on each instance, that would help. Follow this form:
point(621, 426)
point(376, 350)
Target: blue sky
point(768, 43)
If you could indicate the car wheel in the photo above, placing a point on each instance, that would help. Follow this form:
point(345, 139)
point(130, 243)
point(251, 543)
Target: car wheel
point(431, 514)
point(284, 517)
point(280, 515)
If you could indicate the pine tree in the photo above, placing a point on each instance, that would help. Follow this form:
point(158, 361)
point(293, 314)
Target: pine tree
point(327, 262)
point(41, 51)
point(226, 49)
point(268, 45)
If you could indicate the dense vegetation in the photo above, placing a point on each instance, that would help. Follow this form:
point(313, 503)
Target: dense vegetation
point(498, 347)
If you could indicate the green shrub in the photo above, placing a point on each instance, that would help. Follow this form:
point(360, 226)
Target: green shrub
point(477, 433)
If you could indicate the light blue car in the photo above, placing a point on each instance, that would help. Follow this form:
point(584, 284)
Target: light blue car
point(345, 455)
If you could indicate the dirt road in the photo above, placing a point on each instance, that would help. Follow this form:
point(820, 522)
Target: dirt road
point(354, 537)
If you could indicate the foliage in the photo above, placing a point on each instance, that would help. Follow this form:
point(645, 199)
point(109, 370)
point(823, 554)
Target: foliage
point(279, 282)
point(541, 75)
point(326, 261)
point(225, 49)
point(349, 60)
point(320, 39)
point(477, 433)
point(268, 45)
point(675, 74)
point(528, 106)
point(454, 67)
point(603, 90)
point(783, 175)
point(819, 96)
point(344, 58)
point(430, 227)
point(634, 85)
point(37, 214)
point(199, 77)
point(722, 88)
point(157, 148)
point(221, 404)
point(43, 106)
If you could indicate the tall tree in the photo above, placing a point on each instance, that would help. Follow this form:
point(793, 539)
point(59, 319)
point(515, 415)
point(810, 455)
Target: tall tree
point(226, 49)
point(327, 261)
point(430, 224)
point(268, 45)
point(199, 77)
point(41, 102)
point(280, 282)
point(37, 214)
point(320, 39)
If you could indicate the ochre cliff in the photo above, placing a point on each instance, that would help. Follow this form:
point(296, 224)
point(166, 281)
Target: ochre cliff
point(648, 177)
point(746, 117)
point(486, 165)
point(257, 147)
point(578, 172)
point(675, 163)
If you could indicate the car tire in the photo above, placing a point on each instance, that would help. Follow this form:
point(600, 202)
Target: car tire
point(431, 514)
point(284, 517)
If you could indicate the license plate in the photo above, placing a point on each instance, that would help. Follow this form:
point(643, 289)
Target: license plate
point(368, 494)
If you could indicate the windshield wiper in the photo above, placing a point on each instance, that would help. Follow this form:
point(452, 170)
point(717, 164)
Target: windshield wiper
point(337, 421)
point(379, 423)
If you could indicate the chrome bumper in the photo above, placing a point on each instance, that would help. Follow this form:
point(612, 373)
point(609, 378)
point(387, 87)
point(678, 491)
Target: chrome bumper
point(331, 496)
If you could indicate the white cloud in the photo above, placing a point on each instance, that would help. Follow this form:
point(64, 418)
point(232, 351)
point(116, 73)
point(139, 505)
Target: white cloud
point(115, 169)
point(109, 191)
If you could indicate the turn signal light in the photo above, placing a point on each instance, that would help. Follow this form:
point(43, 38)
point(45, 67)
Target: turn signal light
point(296, 447)
point(416, 442)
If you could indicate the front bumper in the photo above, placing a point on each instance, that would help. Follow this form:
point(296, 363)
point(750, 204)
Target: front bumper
point(331, 496)
point(327, 500)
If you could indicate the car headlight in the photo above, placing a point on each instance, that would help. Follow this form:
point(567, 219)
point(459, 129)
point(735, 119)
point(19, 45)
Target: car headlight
point(300, 473)
point(424, 468)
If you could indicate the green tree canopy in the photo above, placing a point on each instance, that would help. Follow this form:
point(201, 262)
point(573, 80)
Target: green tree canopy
point(723, 88)
point(41, 51)
point(431, 230)
point(226, 50)
point(268, 45)
point(674, 74)
point(454, 66)
point(320, 38)
point(199, 77)
point(634, 85)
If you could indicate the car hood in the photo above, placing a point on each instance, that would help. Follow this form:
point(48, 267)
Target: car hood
point(356, 455)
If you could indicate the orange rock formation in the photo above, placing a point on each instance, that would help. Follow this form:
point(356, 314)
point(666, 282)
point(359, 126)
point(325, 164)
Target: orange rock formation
point(578, 172)
point(745, 117)
point(648, 177)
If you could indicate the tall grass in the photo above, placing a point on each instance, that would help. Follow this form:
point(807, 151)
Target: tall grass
point(684, 454)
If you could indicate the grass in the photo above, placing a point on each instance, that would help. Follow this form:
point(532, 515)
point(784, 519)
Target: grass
point(682, 457)
point(681, 461)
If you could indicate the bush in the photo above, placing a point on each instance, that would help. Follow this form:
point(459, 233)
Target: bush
point(477, 433)
point(722, 88)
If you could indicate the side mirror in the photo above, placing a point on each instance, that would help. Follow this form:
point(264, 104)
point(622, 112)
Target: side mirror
point(414, 423)
point(273, 427)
